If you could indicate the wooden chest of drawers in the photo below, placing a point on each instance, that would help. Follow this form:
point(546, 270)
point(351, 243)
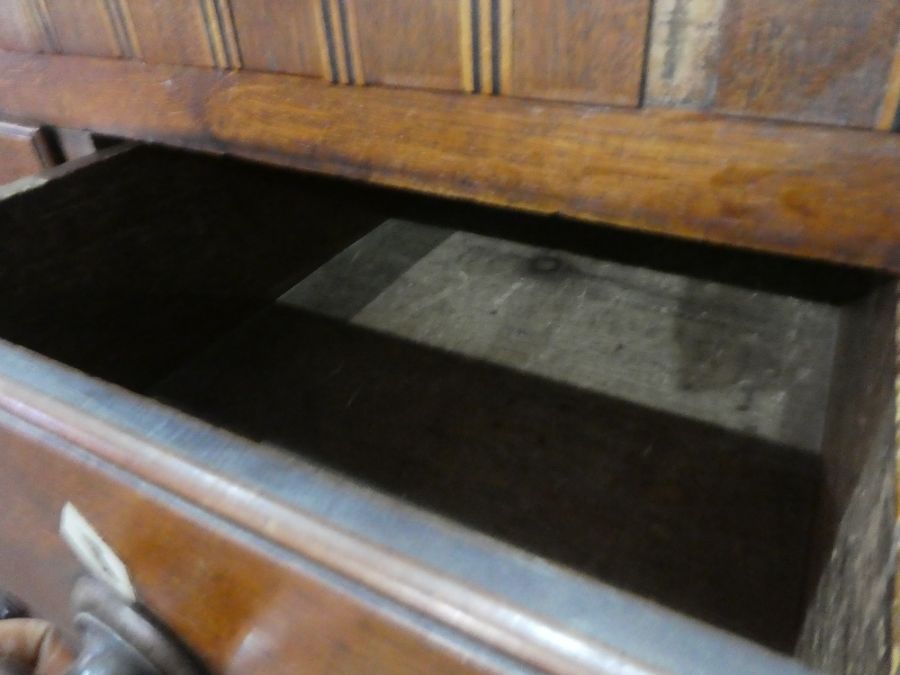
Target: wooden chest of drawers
point(563, 340)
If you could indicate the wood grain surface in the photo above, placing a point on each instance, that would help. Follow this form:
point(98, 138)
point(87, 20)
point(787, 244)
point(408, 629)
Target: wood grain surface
point(82, 27)
point(848, 626)
point(810, 192)
point(24, 150)
point(408, 42)
point(172, 31)
point(574, 50)
point(823, 61)
point(240, 604)
point(283, 36)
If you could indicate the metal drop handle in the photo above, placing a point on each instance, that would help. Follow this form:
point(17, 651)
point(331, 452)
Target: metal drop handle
point(117, 638)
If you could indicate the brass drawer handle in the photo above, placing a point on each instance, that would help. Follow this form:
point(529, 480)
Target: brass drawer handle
point(117, 638)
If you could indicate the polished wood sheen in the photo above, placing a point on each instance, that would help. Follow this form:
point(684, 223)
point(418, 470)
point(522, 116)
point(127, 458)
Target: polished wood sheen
point(809, 192)
point(574, 50)
point(242, 606)
point(23, 150)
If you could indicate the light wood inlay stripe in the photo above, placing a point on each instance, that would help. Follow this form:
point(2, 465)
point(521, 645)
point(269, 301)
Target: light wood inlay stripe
point(486, 29)
point(889, 114)
point(505, 48)
point(467, 46)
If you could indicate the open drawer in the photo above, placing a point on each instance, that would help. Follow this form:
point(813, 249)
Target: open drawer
point(525, 442)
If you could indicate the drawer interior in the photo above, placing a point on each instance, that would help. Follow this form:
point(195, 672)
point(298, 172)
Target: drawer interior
point(703, 427)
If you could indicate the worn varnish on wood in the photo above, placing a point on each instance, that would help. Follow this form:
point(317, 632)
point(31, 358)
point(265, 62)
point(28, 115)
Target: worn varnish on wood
point(241, 604)
point(827, 61)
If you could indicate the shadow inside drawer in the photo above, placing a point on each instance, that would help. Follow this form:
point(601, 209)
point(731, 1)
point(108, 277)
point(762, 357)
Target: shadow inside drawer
point(659, 435)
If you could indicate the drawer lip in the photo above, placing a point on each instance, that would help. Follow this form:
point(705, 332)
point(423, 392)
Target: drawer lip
point(537, 611)
point(780, 187)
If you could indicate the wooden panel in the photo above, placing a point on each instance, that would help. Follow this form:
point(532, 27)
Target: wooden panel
point(20, 28)
point(825, 61)
point(242, 607)
point(409, 42)
point(282, 35)
point(820, 61)
point(848, 622)
point(23, 151)
point(81, 27)
point(812, 192)
point(574, 50)
point(889, 114)
point(191, 32)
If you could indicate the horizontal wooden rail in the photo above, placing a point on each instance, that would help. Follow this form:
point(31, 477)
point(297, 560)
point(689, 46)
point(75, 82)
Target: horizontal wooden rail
point(805, 191)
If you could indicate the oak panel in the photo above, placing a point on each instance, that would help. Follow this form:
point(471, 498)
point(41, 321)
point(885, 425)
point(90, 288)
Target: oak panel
point(82, 27)
point(172, 31)
point(574, 50)
point(23, 151)
point(810, 192)
point(243, 608)
point(409, 42)
point(20, 28)
point(824, 61)
point(282, 35)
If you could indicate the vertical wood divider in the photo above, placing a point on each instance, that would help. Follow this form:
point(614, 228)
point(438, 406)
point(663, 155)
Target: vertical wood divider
point(222, 36)
point(335, 27)
point(889, 114)
point(123, 27)
point(467, 46)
